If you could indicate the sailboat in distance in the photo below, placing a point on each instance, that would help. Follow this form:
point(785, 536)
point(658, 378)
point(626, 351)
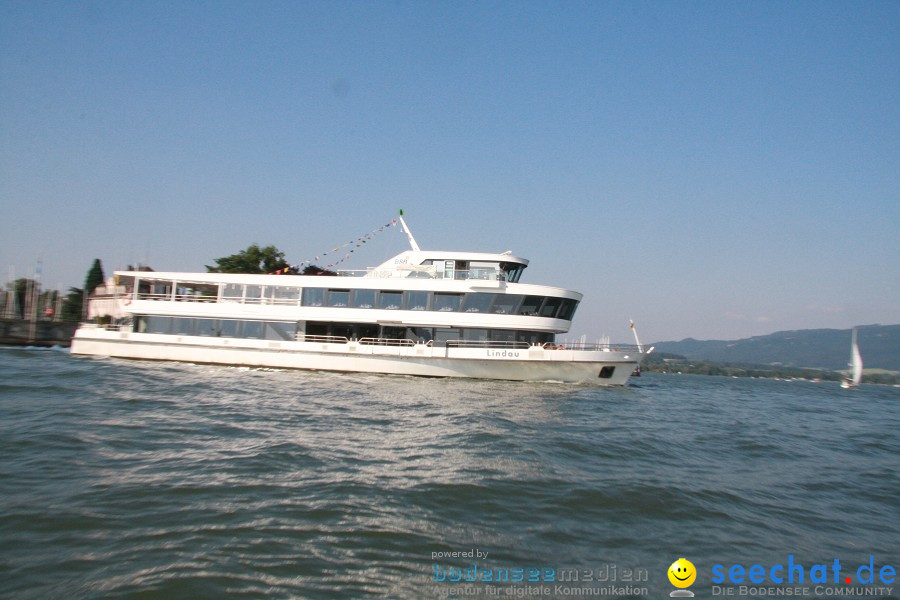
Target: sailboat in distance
point(856, 364)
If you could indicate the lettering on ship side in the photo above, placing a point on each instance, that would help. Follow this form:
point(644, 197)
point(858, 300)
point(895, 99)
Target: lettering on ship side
point(503, 353)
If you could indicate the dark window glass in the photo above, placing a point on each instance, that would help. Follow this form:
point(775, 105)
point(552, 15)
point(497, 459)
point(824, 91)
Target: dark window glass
point(183, 326)
point(207, 327)
point(534, 337)
point(446, 302)
point(364, 298)
point(550, 307)
point(477, 303)
point(567, 310)
point(422, 334)
point(366, 330)
point(393, 333)
point(229, 328)
point(313, 296)
point(159, 324)
point(503, 335)
point(390, 300)
point(252, 330)
point(531, 306)
point(477, 335)
point(441, 335)
point(316, 328)
point(506, 304)
point(280, 331)
point(606, 372)
point(342, 330)
point(338, 298)
point(416, 300)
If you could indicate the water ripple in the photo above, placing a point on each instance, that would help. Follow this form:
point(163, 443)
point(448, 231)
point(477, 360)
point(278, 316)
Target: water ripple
point(161, 480)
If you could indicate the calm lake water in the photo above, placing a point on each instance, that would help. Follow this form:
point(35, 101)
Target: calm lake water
point(164, 480)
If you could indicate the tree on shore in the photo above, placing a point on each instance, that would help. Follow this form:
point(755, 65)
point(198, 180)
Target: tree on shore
point(252, 260)
point(72, 305)
point(94, 277)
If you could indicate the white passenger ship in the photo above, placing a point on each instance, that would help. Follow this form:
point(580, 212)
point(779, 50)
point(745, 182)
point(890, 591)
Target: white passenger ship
point(428, 313)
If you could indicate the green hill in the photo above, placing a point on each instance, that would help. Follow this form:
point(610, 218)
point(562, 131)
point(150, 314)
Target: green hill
point(812, 348)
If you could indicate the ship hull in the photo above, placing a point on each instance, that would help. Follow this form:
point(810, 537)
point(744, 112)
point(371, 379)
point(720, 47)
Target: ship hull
point(607, 366)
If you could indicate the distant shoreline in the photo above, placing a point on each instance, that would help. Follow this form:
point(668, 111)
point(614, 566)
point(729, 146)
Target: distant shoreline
point(683, 366)
point(22, 332)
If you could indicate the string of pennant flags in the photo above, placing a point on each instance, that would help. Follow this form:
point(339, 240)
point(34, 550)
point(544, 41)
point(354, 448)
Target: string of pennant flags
point(357, 243)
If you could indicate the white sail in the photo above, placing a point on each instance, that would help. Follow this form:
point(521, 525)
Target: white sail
point(856, 363)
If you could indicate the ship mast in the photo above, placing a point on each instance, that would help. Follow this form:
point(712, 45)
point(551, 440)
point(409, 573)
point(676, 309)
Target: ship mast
point(405, 228)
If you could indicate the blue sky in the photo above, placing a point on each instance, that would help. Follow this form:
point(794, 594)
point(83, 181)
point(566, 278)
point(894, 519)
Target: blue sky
point(709, 169)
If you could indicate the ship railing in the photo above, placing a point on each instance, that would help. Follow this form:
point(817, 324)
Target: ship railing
point(462, 275)
point(387, 342)
point(263, 301)
point(366, 341)
point(323, 339)
point(148, 296)
point(487, 344)
point(591, 347)
point(195, 298)
point(211, 298)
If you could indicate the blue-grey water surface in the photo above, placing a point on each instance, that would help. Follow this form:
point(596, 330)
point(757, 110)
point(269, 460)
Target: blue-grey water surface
point(165, 480)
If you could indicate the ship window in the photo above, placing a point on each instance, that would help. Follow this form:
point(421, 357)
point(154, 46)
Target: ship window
point(606, 372)
point(252, 294)
point(158, 324)
point(313, 296)
point(393, 333)
point(446, 302)
point(531, 306)
point(252, 330)
point(416, 300)
point(503, 335)
point(316, 328)
point(513, 271)
point(284, 295)
point(476, 335)
point(229, 328)
point(207, 327)
point(343, 330)
point(567, 310)
point(183, 326)
point(478, 303)
point(366, 330)
point(364, 299)
point(442, 336)
point(482, 270)
point(506, 304)
point(422, 334)
point(534, 337)
point(338, 298)
point(280, 331)
point(550, 307)
point(232, 292)
point(390, 300)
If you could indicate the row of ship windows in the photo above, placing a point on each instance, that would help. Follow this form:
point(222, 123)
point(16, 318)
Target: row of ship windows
point(471, 302)
point(289, 331)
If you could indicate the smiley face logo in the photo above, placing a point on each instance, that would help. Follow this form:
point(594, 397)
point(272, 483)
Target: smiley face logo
point(682, 573)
